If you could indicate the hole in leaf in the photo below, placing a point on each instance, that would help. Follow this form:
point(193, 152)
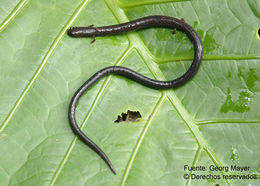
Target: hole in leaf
point(259, 32)
point(130, 116)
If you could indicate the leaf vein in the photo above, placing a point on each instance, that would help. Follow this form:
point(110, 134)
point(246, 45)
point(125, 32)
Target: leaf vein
point(97, 98)
point(196, 157)
point(140, 140)
point(14, 12)
point(148, 2)
point(226, 121)
point(42, 65)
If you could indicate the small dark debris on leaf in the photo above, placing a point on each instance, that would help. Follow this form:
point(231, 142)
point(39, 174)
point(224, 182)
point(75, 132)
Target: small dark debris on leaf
point(130, 116)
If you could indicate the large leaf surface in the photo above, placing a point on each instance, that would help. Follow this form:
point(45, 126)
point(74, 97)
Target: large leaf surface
point(211, 120)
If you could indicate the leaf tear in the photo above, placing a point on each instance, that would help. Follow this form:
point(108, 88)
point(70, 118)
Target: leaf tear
point(130, 116)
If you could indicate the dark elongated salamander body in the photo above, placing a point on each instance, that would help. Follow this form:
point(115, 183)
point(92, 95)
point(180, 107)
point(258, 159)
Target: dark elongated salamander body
point(142, 23)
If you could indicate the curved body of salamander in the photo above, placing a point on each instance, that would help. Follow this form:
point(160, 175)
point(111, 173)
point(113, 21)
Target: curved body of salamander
point(142, 23)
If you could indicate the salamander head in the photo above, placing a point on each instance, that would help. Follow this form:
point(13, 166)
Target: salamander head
point(82, 31)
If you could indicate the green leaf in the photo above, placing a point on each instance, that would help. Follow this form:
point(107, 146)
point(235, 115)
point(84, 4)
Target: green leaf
point(211, 120)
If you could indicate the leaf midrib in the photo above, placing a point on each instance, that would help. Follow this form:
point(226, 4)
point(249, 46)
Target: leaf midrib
point(179, 107)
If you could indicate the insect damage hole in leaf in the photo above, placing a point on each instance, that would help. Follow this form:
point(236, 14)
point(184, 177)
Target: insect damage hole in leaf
point(258, 33)
point(130, 116)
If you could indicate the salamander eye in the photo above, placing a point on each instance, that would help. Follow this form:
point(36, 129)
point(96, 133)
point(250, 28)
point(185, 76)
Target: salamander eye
point(70, 31)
